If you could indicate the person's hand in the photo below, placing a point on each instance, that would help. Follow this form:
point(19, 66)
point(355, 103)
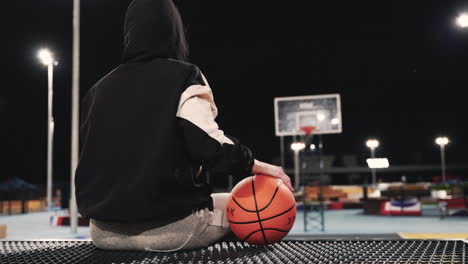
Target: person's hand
point(273, 171)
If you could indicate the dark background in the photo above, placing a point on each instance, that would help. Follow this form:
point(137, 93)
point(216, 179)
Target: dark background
point(400, 67)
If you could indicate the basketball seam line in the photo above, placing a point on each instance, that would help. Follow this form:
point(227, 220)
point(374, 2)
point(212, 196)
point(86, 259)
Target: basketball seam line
point(253, 211)
point(258, 213)
point(273, 229)
point(265, 219)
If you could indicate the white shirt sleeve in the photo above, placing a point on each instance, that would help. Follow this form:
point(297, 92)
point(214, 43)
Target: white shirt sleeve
point(198, 107)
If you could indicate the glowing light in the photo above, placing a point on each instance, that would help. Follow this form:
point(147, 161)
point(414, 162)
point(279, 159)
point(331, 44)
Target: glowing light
point(375, 194)
point(335, 121)
point(380, 163)
point(442, 141)
point(372, 143)
point(312, 146)
point(297, 146)
point(46, 57)
point(439, 194)
point(320, 117)
point(462, 20)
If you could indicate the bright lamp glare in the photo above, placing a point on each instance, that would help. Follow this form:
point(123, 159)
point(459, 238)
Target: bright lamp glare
point(442, 141)
point(320, 117)
point(378, 163)
point(372, 143)
point(45, 56)
point(297, 146)
point(462, 20)
point(312, 146)
point(335, 121)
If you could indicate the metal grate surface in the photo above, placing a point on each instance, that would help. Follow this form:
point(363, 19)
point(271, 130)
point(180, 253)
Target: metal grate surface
point(369, 252)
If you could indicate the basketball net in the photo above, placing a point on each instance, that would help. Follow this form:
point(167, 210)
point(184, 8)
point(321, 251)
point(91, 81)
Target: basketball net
point(308, 134)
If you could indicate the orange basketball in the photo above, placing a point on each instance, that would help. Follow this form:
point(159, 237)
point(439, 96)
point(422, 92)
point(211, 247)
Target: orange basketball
point(261, 210)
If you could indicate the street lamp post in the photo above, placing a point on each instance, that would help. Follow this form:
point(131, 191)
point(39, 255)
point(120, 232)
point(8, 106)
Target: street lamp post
point(75, 114)
point(47, 58)
point(297, 147)
point(442, 141)
point(372, 144)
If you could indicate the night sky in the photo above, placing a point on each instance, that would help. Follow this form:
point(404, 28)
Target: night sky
point(400, 67)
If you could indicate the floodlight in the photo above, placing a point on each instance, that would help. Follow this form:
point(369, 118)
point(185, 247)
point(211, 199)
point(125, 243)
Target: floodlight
point(297, 146)
point(380, 163)
point(46, 57)
point(442, 141)
point(462, 20)
point(372, 143)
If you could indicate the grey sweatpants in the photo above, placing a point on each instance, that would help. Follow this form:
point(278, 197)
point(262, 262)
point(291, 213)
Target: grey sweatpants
point(199, 229)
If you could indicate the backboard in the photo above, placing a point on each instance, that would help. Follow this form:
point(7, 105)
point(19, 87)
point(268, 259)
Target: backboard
point(320, 111)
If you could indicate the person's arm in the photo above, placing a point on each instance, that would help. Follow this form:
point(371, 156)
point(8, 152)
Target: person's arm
point(206, 143)
point(209, 145)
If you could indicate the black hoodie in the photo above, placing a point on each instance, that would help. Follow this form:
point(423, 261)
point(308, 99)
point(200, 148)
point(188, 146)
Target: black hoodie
point(139, 161)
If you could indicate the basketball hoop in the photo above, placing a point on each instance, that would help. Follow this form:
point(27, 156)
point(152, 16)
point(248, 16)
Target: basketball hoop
point(308, 134)
point(308, 129)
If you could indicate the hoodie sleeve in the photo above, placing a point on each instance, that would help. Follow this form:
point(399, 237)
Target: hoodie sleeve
point(206, 142)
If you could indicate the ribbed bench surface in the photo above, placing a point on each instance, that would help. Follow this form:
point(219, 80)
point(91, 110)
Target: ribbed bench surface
point(294, 252)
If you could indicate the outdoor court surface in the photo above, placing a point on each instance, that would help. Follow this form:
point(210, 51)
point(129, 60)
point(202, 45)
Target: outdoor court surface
point(338, 224)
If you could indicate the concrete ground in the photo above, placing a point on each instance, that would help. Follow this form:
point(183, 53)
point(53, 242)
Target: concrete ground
point(349, 223)
point(352, 221)
point(37, 226)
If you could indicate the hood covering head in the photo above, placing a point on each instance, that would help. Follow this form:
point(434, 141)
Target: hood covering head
point(154, 29)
